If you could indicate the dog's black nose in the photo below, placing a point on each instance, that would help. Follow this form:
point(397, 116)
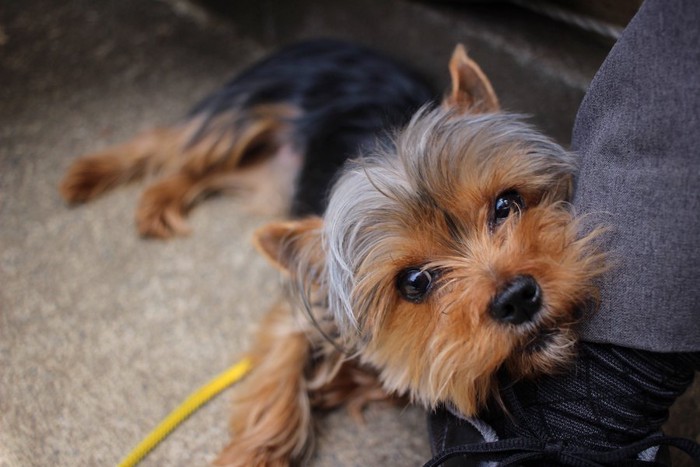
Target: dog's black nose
point(517, 302)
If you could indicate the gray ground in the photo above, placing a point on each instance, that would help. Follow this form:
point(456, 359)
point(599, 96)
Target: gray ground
point(101, 333)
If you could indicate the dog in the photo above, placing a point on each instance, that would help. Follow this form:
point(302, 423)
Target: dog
point(443, 253)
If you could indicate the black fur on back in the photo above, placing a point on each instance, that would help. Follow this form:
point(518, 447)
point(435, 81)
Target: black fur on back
point(349, 96)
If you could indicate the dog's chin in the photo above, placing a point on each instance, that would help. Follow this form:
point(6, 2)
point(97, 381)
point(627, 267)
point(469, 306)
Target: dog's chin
point(546, 350)
point(541, 340)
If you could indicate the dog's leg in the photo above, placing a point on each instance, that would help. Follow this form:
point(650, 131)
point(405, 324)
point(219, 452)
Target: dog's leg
point(266, 187)
point(271, 420)
point(203, 155)
point(232, 155)
point(163, 206)
point(352, 386)
point(271, 423)
point(93, 174)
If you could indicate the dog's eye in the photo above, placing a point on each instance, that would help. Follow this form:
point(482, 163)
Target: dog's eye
point(414, 284)
point(505, 204)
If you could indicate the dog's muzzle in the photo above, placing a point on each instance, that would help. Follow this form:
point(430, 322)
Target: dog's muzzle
point(518, 301)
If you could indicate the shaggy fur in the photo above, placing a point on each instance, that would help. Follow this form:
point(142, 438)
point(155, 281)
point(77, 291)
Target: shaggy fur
point(428, 205)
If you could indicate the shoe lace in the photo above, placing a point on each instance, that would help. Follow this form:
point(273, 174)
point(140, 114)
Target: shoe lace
point(515, 451)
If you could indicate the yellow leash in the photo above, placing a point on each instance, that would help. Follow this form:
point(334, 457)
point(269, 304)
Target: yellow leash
point(191, 404)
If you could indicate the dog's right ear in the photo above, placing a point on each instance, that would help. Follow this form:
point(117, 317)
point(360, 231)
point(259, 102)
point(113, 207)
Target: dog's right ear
point(471, 89)
point(291, 245)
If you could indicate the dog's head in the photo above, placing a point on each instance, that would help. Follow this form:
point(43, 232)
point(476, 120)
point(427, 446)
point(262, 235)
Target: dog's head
point(450, 253)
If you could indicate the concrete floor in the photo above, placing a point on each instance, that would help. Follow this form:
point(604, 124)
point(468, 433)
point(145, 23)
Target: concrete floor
point(101, 333)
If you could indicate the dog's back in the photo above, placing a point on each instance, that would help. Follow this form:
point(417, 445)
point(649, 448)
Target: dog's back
point(288, 122)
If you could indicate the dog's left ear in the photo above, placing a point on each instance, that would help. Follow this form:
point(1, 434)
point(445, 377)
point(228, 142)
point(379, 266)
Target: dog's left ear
point(292, 245)
point(471, 89)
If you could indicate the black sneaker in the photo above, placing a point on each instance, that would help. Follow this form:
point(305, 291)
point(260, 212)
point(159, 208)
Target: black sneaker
point(606, 411)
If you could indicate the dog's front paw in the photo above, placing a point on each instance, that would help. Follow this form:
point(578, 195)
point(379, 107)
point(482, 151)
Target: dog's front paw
point(243, 455)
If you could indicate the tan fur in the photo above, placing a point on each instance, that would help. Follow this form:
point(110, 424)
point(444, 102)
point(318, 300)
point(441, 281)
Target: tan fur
point(271, 418)
point(93, 174)
point(282, 242)
point(295, 371)
point(448, 348)
point(354, 386)
point(236, 154)
point(471, 90)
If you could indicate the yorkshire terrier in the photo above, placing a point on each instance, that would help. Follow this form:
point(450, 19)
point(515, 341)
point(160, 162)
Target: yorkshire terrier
point(445, 254)
point(446, 250)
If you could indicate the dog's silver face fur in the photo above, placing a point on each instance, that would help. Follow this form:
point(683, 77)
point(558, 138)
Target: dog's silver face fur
point(437, 152)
